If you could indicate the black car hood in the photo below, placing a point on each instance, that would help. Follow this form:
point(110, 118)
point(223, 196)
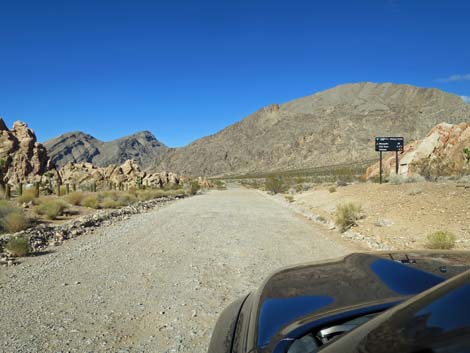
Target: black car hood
point(292, 297)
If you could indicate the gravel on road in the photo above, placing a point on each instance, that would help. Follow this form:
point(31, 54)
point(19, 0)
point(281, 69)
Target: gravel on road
point(155, 282)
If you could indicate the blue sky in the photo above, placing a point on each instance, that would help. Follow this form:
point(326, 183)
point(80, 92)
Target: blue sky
point(186, 69)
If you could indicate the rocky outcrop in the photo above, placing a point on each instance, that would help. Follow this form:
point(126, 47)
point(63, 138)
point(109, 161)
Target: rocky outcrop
point(444, 151)
point(78, 147)
point(22, 158)
point(127, 175)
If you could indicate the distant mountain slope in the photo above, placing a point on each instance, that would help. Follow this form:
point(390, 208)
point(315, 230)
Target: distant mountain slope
point(77, 146)
point(334, 126)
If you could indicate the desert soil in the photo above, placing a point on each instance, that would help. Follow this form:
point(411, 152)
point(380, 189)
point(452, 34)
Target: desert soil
point(156, 282)
point(398, 216)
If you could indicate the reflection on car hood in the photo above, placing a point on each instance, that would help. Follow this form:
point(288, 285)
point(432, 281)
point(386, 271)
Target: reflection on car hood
point(295, 295)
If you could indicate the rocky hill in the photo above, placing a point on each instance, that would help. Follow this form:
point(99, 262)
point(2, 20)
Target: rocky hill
point(22, 158)
point(444, 151)
point(331, 127)
point(77, 146)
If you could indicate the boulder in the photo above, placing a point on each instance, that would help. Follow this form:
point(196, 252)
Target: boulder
point(22, 158)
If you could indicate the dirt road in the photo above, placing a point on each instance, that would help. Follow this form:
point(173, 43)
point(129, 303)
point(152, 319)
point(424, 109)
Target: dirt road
point(154, 283)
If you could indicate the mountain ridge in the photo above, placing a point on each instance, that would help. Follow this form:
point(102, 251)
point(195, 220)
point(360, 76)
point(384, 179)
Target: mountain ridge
point(333, 126)
point(78, 146)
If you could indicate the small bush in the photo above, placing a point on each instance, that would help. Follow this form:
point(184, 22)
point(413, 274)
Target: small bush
point(332, 189)
point(29, 195)
point(220, 185)
point(50, 208)
point(75, 198)
point(466, 151)
point(12, 219)
point(110, 203)
point(289, 198)
point(127, 199)
point(18, 246)
point(347, 215)
point(15, 222)
point(440, 240)
point(274, 184)
point(91, 201)
point(195, 187)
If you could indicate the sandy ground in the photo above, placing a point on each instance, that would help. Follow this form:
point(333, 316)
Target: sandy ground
point(158, 281)
point(400, 216)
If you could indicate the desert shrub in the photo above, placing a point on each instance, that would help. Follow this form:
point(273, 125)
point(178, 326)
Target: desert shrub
point(466, 151)
point(332, 189)
point(194, 187)
point(347, 215)
point(299, 188)
point(91, 201)
point(289, 198)
point(274, 184)
point(29, 195)
point(15, 222)
point(18, 246)
point(110, 203)
point(12, 219)
point(440, 240)
point(75, 198)
point(127, 199)
point(397, 179)
point(51, 208)
point(219, 185)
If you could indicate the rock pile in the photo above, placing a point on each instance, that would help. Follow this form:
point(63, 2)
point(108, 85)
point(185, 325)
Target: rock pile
point(22, 158)
point(445, 151)
point(126, 175)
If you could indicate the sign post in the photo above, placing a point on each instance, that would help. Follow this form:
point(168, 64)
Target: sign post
point(387, 144)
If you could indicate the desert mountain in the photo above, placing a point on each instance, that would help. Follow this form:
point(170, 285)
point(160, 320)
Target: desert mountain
point(77, 146)
point(334, 126)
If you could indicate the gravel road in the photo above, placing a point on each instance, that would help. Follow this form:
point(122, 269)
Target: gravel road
point(156, 282)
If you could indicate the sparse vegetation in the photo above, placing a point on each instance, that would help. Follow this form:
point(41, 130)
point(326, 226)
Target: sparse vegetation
point(18, 247)
point(12, 219)
point(347, 215)
point(332, 189)
point(75, 198)
point(29, 195)
point(274, 184)
point(441, 240)
point(91, 201)
point(397, 179)
point(219, 185)
point(289, 198)
point(51, 208)
point(194, 188)
point(466, 151)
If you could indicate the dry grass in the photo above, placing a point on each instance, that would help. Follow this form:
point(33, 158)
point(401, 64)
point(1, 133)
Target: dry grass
point(347, 215)
point(91, 201)
point(440, 240)
point(18, 247)
point(29, 195)
point(289, 198)
point(51, 208)
point(12, 219)
point(75, 198)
